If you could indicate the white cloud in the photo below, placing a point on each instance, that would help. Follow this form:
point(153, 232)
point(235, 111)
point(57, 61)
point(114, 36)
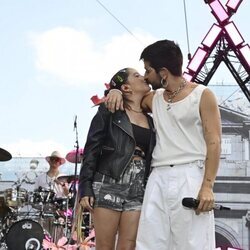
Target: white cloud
point(29, 148)
point(74, 57)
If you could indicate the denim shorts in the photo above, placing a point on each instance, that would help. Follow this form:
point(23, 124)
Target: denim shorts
point(123, 195)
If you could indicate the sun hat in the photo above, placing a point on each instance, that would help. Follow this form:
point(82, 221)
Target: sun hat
point(56, 154)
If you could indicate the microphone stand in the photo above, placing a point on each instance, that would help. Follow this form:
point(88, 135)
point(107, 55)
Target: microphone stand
point(76, 157)
point(73, 187)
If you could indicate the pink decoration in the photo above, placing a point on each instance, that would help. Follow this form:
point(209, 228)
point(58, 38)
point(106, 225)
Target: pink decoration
point(52, 246)
point(107, 85)
point(87, 244)
point(96, 100)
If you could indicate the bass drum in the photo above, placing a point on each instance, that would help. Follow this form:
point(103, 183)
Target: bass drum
point(25, 234)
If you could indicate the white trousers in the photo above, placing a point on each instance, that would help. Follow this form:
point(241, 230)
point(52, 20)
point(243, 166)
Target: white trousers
point(164, 223)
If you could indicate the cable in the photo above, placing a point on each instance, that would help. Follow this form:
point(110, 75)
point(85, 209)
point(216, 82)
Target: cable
point(186, 24)
point(119, 21)
point(238, 89)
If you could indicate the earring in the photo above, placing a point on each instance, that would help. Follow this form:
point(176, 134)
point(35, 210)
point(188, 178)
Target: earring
point(164, 83)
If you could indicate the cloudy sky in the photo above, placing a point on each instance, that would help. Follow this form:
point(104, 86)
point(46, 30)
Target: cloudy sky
point(56, 54)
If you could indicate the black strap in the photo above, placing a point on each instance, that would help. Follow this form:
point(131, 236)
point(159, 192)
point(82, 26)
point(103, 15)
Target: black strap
point(139, 153)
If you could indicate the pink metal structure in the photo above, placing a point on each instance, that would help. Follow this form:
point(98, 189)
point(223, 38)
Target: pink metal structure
point(222, 43)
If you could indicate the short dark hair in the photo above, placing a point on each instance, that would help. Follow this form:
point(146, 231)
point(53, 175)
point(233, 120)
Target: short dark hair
point(164, 53)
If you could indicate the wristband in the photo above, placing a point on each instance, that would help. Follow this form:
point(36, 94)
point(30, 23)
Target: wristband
point(118, 90)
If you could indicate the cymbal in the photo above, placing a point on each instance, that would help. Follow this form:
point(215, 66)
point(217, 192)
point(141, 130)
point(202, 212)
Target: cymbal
point(71, 156)
point(4, 155)
point(67, 178)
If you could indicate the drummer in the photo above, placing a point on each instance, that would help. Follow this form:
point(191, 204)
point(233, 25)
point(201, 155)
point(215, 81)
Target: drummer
point(49, 181)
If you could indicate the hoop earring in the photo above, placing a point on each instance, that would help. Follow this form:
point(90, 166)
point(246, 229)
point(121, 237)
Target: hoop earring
point(164, 83)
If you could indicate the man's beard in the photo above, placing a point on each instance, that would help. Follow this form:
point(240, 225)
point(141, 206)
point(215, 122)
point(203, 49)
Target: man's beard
point(156, 86)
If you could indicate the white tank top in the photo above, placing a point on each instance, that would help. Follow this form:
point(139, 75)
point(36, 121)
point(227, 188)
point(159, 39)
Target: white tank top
point(179, 133)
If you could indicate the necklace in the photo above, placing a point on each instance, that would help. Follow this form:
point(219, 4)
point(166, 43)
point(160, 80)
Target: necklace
point(173, 94)
point(50, 180)
point(136, 111)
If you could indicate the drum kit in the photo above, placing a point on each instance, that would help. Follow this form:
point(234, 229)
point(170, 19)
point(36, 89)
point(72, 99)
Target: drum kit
point(27, 218)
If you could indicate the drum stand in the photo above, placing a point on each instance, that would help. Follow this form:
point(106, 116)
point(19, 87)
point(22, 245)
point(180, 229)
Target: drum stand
point(66, 218)
point(73, 189)
point(61, 228)
point(1, 233)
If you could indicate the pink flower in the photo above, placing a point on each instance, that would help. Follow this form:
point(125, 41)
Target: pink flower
point(87, 243)
point(61, 244)
point(52, 246)
point(71, 247)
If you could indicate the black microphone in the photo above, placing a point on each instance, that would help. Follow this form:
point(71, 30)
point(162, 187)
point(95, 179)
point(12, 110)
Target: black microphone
point(75, 122)
point(193, 203)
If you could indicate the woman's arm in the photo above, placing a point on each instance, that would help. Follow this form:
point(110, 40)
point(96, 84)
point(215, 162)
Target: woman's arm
point(92, 150)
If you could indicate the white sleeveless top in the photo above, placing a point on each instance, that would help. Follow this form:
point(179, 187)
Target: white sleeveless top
point(179, 133)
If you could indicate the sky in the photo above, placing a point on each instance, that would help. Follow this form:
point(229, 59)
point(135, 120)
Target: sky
point(56, 54)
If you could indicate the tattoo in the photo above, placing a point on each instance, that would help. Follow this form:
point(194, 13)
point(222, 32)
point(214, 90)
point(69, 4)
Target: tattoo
point(209, 180)
point(212, 143)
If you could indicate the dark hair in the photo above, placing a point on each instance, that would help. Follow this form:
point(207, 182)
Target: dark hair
point(164, 53)
point(118, 80)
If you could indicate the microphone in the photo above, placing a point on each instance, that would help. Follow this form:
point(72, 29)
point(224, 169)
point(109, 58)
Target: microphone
point(75, 122)
point(193, 203)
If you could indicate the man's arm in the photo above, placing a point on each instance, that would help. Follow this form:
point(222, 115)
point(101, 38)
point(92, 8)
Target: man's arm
point(114, 101)
point(211, 122)
point(147, 102)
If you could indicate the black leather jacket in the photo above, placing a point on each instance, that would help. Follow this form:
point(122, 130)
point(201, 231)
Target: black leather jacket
point(109, 148)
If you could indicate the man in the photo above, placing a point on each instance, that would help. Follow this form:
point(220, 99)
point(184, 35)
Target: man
point(48, 181)
point(186, 156)
point(47, 191)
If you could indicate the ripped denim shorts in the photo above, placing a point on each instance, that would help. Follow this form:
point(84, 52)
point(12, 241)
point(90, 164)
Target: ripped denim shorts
point(123, 195)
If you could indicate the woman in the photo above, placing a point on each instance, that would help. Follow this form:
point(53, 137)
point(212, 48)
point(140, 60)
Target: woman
point(116, 164)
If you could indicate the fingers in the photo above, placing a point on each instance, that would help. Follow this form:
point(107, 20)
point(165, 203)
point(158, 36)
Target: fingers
point(87, 202)
point(114, 101)
point(111, 106)
point(65, 185)
point(205, 205)
point(92, 202)
point(206, 200)
point(119, 105)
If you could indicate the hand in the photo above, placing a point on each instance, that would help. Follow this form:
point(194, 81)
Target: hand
point(206, 198)
point(87, 202)
point(65, 187)
point(114, 101)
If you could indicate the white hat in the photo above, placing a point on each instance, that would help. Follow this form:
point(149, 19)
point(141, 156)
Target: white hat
point(56, 154)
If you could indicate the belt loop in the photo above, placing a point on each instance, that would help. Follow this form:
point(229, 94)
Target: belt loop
point(200, 163)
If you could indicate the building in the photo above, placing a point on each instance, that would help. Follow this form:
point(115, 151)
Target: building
point(232, 187)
